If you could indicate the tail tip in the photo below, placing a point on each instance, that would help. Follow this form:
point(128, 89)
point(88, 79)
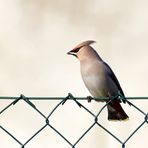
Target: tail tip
point(118, 119)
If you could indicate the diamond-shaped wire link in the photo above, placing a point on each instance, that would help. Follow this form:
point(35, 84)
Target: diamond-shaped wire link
point(61, 103)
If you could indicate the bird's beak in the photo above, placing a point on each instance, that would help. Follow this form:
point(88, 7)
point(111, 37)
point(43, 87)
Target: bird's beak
point(71, 53)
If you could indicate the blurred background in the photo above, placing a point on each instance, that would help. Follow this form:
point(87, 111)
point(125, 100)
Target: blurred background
point(35, 36)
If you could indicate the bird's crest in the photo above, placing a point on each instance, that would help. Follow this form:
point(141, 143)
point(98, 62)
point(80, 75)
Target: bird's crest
point(85, 43)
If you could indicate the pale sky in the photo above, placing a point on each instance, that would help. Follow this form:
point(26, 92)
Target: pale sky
point(35, 36)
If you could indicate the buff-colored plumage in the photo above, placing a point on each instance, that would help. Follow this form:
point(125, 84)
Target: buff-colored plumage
point(99, 79)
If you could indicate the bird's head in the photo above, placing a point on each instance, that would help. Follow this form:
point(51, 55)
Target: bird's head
point(83, 50)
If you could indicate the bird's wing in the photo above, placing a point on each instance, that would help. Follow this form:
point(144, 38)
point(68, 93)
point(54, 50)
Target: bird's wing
point(114, 78)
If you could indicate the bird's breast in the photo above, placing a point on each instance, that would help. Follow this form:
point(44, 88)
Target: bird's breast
point(94, 79)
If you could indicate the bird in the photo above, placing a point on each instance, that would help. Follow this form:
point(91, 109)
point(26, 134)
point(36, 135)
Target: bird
point(100, 79)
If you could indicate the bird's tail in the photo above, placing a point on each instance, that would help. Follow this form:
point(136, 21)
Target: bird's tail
point(116, 112)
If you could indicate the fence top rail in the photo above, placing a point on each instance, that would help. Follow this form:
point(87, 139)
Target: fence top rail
point(70, 98)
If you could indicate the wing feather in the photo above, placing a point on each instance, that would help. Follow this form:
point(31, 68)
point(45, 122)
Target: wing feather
point(115, 80)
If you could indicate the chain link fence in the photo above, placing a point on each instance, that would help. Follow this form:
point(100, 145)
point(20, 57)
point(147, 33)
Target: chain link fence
point(62, 101)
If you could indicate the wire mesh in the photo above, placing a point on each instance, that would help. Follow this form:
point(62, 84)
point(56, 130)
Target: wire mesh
point(62, 101)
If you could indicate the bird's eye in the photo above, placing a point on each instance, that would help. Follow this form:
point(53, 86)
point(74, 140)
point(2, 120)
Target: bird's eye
point(76, 50)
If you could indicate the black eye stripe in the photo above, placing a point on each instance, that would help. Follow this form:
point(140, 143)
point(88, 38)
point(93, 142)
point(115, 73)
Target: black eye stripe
point(76, 50)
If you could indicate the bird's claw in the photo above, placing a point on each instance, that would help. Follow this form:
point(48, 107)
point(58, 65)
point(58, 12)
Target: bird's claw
point(89, 98)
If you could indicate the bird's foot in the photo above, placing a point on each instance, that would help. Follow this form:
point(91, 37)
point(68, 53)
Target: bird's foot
point(89, 98)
